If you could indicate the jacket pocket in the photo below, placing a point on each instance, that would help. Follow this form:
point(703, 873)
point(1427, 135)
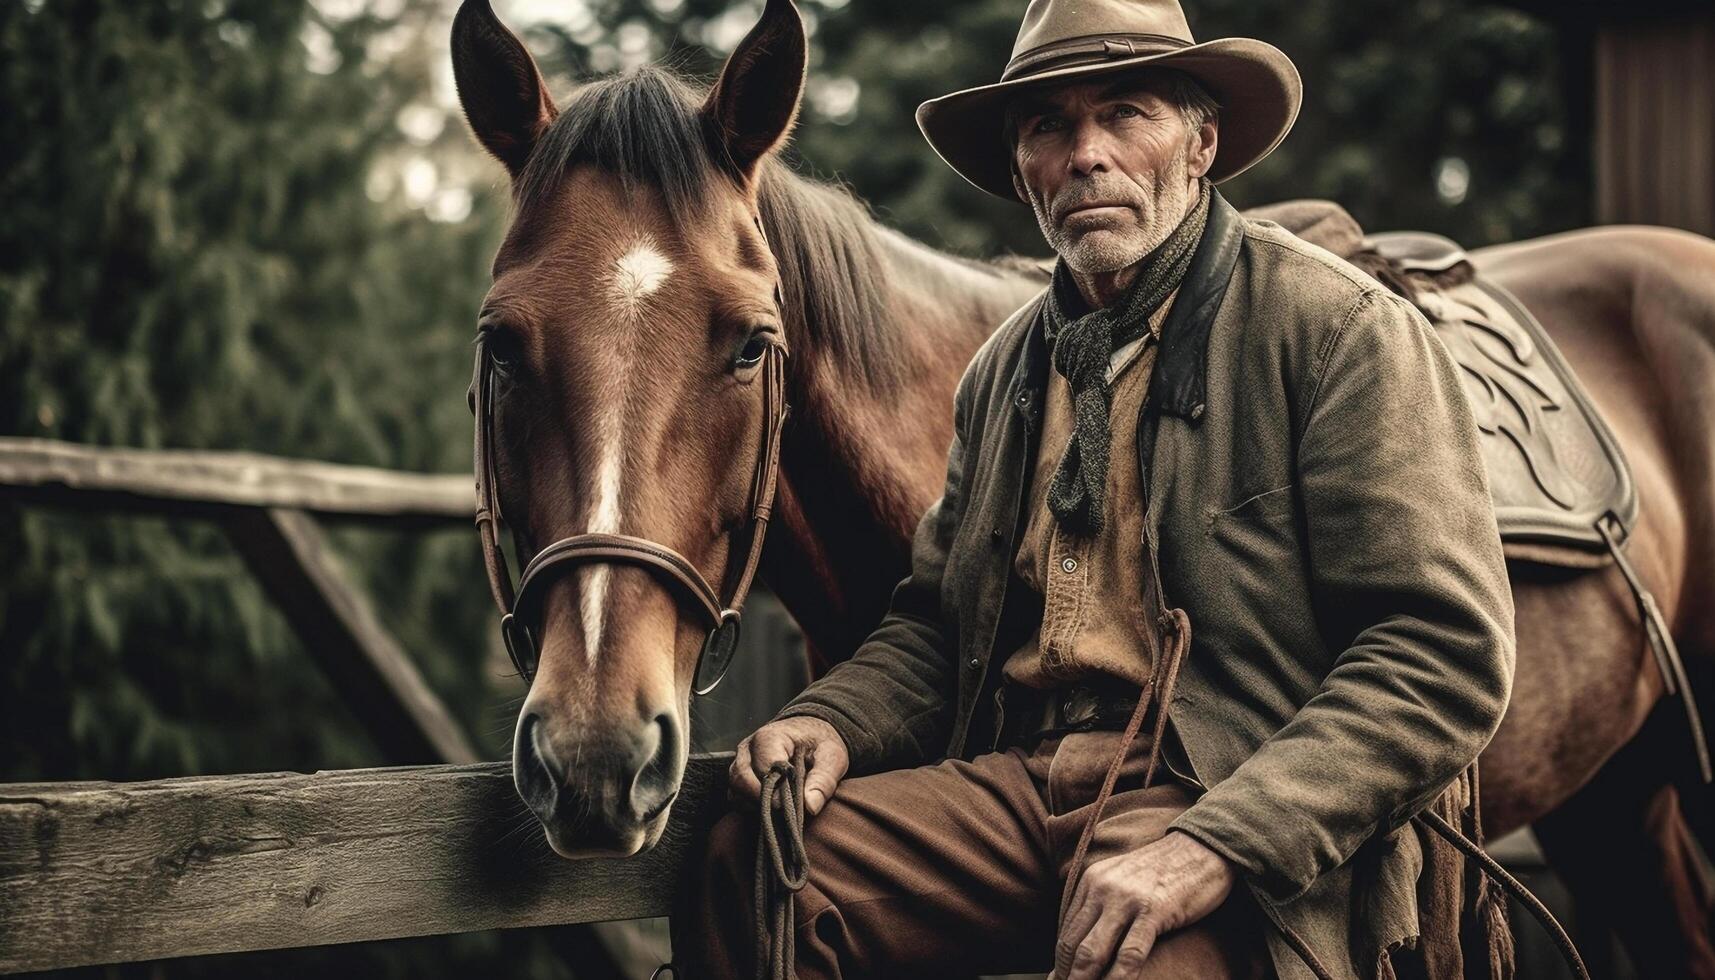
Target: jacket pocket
point(1258, 505)
point(1259, 534)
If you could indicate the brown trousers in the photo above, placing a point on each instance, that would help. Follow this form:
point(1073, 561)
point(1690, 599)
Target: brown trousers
point(956, 869)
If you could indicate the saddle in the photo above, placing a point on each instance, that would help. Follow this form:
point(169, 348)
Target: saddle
point(1556, 473)
point(1563, 493)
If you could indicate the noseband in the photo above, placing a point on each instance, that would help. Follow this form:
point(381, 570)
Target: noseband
point(521, 608)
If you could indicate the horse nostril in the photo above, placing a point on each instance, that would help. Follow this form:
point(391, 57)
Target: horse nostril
point(657, 782)
point(533, 769)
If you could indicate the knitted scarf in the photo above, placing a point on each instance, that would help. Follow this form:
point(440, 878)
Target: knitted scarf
point(1082, 347)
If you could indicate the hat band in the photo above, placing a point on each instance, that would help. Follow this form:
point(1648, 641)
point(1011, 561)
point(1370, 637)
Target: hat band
point(1088, 49)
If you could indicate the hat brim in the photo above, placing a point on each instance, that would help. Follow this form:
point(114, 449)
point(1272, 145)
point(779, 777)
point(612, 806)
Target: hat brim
point(1256, 84)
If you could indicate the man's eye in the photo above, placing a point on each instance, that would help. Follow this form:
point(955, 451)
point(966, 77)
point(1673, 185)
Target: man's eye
point(1123, 111)
point(1047, 124)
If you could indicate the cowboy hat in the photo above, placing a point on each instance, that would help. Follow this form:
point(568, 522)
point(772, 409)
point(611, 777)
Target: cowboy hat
point(1071, 40)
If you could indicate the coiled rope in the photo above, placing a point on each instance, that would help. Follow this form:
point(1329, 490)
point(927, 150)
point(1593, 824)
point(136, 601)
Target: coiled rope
point(781, 869)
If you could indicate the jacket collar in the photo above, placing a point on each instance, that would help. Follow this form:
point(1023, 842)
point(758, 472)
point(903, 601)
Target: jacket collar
point(1178, 385)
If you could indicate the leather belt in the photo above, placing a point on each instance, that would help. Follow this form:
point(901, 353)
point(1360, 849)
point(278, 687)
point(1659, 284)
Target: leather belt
point(1028, 714)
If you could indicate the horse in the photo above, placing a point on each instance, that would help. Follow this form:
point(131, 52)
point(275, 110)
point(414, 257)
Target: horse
point(659, 248)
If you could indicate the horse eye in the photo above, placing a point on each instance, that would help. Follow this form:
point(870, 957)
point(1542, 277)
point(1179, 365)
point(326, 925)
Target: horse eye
point(503, 347)
point(753, 350)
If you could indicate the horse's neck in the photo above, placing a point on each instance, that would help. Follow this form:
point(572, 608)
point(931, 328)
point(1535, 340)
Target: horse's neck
point(860, 464)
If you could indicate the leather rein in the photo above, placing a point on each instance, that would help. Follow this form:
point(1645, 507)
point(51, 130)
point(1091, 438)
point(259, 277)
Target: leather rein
point(521, 607)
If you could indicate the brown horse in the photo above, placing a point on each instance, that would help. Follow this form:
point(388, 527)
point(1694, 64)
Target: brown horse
point(638, 277)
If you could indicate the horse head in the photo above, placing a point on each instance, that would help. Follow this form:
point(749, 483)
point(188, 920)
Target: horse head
point(626, 349)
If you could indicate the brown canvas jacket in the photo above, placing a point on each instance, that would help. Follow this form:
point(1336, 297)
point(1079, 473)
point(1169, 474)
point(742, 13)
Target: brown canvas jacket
point(1319, 509)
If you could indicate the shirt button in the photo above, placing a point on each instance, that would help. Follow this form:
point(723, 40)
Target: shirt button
point(973, 663)
point(1068, 565)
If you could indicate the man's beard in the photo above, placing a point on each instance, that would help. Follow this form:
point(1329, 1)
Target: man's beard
point(1109, 250)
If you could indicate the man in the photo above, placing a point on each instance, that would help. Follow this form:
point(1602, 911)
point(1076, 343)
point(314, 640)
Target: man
point(1202, 417)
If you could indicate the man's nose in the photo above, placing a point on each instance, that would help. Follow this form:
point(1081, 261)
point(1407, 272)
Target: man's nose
point(1089, 149)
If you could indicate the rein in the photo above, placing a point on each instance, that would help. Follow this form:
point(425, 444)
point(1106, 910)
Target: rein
point(521, 606)
point(781, 869)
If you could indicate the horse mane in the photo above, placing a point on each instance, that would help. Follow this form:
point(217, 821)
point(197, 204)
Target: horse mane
point(643, 127)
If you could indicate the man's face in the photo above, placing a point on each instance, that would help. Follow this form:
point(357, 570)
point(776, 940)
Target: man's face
point(1108, 166)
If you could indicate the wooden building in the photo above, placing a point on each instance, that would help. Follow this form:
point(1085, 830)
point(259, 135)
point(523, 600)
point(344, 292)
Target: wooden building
point(1640, 81)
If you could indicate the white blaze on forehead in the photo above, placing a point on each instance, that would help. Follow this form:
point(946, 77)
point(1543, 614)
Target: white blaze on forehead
point(635, 276)
point(639, 272)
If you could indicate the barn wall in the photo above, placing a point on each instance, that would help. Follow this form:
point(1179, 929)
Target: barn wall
point(1655, 123)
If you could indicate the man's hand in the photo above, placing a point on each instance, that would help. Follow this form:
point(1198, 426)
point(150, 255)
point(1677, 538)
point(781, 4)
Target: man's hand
point(1124, 903)
point(824, 752)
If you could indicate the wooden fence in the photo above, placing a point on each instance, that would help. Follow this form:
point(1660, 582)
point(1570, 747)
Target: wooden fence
point(116, 872)
point(108, 872)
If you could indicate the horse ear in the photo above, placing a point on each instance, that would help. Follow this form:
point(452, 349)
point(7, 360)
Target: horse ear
point(751, 109)
point(502, 92)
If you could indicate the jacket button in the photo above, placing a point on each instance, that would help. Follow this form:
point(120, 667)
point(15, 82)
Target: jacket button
point(995, 535)
point(973, 663)
point(1069, 565)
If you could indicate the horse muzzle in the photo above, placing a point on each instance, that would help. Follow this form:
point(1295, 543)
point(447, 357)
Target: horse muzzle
point(608, 798)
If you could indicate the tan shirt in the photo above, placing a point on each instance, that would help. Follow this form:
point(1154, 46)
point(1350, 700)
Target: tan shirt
point(1098, 600)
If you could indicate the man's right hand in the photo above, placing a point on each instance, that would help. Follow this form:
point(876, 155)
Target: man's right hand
point(824, 753)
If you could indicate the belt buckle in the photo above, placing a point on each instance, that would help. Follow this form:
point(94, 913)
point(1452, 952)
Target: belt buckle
point(1078, 708)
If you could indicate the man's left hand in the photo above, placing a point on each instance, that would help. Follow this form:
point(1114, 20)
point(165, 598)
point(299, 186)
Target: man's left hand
point(1124, 903)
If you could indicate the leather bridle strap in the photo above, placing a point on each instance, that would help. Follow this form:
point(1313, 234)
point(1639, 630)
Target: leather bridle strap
point(521, 609)
point(617, 548)
point(487, 496)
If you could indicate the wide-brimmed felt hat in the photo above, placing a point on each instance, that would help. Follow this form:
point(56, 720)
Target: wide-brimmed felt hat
point(1068, 41)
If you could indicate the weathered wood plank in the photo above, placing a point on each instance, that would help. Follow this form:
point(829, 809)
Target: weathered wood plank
point(185, 481)
point(386, 693)
point(112, 872)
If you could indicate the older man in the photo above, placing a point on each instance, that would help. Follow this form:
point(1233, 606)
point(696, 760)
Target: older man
point(1210, 453)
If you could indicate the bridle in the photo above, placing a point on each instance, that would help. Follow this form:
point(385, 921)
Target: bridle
point(521, 608)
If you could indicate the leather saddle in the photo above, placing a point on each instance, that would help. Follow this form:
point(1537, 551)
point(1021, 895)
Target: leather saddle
point(1562, 490)
point(1555, 470)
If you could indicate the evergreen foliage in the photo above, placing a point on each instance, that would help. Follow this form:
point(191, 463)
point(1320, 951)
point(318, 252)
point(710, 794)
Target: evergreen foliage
point(191, 258)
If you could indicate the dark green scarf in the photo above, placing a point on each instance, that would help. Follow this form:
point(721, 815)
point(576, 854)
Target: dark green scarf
point(1083, 345)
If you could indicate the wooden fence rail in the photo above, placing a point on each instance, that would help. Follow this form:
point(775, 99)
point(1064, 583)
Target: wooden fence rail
point(197, 482)
point(265, 505)
point(117, 872)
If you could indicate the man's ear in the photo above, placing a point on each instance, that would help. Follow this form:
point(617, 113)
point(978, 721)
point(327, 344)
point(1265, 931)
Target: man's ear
point(504, 97)
point(1204, 143)
point(753, 105)
point(1018, 179)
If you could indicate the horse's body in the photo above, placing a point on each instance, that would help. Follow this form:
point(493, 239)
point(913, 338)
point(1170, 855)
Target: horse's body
point(1633, 310)
point(638, 235)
